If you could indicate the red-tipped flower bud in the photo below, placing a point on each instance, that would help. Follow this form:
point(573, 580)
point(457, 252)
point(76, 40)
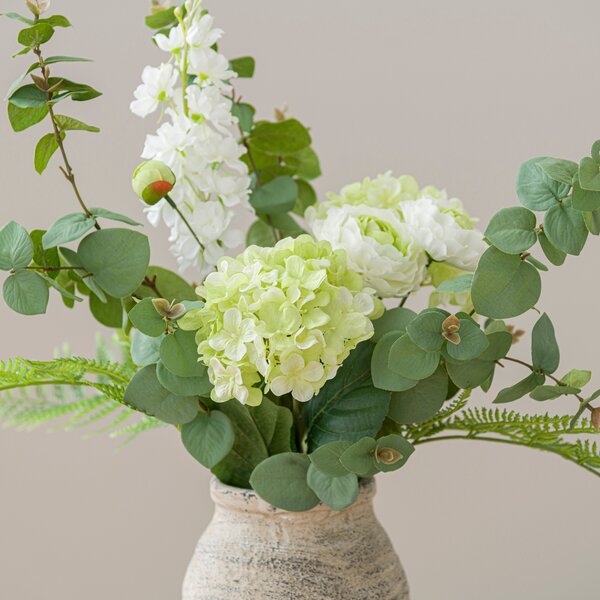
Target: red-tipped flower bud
point(152, 181)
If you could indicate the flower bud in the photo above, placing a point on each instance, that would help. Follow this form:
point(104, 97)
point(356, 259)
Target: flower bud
point(167, 309)
point(596, 417)
point(450, 329)
point(37, 7)
point(152, 181)
point(387, 456)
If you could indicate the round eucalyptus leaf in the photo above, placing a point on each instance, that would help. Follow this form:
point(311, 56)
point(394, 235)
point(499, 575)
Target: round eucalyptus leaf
point(499, 344)
point(592, 221)
point(118, 259)
point(144, 349)
point(410, 361)
point(146, 394)
point(16, 247)
point(109, 313)
point(26, 293)
point(327, 458)
point(565, 228)
point(336, 492)
point(462, 283)
point(471, 374)
point(472, 342)
point(559, 169)
point(360, 457)
point(66, 229)
point(504, 286)
point(512, 230)
point(179, 354)
point(183, 386)
point(536, 190)
point(421, 402)
point(585, 200)
point(209, 437)
point(402, 447)
point(425, 330)
point(383, 377)
point(394, 319)
point(280, 480)
point(145, 317)
point(589, 174)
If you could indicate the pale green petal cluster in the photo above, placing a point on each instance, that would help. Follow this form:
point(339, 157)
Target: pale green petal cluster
point(285, 317)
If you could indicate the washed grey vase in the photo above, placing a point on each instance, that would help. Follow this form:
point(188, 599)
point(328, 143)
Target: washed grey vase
point(253, 551)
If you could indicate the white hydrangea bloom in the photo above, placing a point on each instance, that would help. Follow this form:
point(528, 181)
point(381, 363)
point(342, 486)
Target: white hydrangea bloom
point(158, 85)
point(197, 141)
point(436, 225)
point(378, 245)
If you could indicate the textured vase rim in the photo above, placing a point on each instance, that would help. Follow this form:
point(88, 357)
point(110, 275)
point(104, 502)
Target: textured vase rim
point(247, 500)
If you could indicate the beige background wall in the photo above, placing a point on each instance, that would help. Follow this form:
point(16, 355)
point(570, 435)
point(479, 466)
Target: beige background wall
point(457, 93)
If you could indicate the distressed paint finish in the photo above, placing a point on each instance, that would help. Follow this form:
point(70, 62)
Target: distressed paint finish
point(253, 551)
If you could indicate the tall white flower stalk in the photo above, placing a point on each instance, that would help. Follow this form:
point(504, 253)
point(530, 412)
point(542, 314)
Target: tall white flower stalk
point(196, 140)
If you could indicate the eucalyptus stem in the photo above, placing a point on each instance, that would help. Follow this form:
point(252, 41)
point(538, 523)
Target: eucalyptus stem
point(182, 217)
point(518, 361)
point(67, 171)
point(45, 268)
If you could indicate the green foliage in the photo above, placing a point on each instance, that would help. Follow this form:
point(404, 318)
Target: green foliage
point(277, 196)
point(410, 361)
point(458, 284)
point(179, 354)
point(243, 66)
point(565, 228)
point(183, 386)
point(327, 458)
point(336, 492)
point(383, 376)
point(425, 330)
point(545, 353)
point(16, 247)
point(281, 138)
point(26, 292)
point(169, 285)
point(67, 229)
point(536, 189)
point(520, 389)
point(512, 230)
point(146, 318)
point(395, 319)
point(209, 437)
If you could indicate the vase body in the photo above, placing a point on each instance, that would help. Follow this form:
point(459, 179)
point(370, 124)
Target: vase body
point(253, 551)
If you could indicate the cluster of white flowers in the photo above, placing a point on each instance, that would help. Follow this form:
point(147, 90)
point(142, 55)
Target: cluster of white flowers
point(391, 230)
point(196, 141)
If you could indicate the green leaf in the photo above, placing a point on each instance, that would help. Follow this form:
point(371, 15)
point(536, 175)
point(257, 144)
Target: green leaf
point(56, 21)
point(243, 66)
point(183, 386)
point(400, 445)
point(585, 200)
point(68, 298)
point(425, 330)
point(536, 190)
point(327, 458)
point(473, 342)
point(421, 402)
point(511, 230)
point(280, 480)
point(37, 35)
point(589, 174)
point(274, 423)
point(336, 492)
point(551, 392)
point(118, 258)
point(360, 457)
point(28, 96)
point(26, 293)
point(145, 317)
point(179, 353)
point(500, 343)
point(144, 393)
point(540, 266)
point(411, 361)
point(16, 247)
point(42, 257)
point(394, 319)
point(71, 124)
point(458, 284)
point(113, 216)
point(109, 313)
point(545, 354)
point(277, 196)
point(78, 92)
point(471, 374)
point(208, 438)
point(245, 115)
point(383, 377)
point(66, 229)
point(51, 60)
point(17, 17)
point(504, 286)
point(520, 389)
point(281, 138)
point(305, 163)
point(144, 349)
point(161, 19)
point(23, 118)
point(348, 407)
point(44, 151)
point(577, 378)
point(592, 221)
point(170, 286)
point(565, 228)
point(306, 197)
point(558, 169)
point(553, 254)
point(260, 234)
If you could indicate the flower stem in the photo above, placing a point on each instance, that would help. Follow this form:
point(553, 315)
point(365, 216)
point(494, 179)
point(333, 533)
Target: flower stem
point(182, 217)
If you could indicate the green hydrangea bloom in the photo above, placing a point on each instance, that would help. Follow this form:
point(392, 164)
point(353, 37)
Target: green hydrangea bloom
point(288, 316)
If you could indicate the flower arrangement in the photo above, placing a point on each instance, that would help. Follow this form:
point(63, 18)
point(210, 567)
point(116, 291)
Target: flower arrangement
point(296, 366)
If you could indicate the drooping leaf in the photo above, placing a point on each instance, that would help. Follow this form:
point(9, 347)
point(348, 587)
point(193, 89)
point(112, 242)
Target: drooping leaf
point(209, 437)
point(592, 221)
point(281, 481)
point(512, 230)
point(66, 229)
point(520, 389)
point(545, 353)
point(551, 392)
point(565, 228)
point(553, 254)
point(71, 124)
point(16, 247)
point(23, 118)
point(504, 285)
point(44, 151)
point(26, 293)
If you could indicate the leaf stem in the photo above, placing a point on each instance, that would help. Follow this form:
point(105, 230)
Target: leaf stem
point(182, 217)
